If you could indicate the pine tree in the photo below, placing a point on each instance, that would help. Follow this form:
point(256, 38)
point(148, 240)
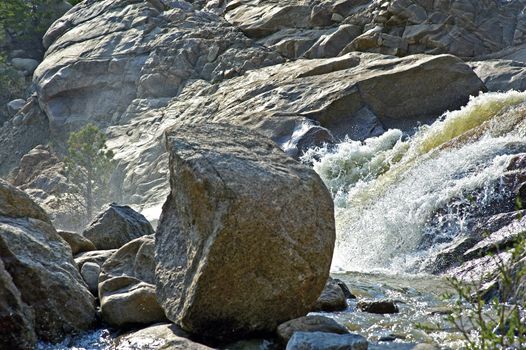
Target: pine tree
point(88, 168)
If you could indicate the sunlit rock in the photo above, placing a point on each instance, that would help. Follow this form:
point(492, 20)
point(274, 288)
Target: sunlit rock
point(246, 236)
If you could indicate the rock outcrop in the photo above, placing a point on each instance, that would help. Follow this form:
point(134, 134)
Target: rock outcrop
point(115, 226)
point(178, 63)
point(47, 298)
point(246, 236)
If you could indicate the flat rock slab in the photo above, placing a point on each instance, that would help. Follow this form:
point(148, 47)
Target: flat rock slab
point(246, 237)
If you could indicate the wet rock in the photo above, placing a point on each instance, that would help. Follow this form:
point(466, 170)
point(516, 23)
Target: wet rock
point(346, 291)
point(116, 226)
point(309, 324)
point(90, 272)
point(332, 298)
point(164, 336)
point(43, 271)
point(77, 242)
point(95, 256)
point(227, 183)
point(127, 285)
point(378, 306)
point(326, 341)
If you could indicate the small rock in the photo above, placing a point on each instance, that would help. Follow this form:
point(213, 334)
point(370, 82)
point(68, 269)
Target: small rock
point(346, 291)
point(90, 272)
point(28, 65)
point(332, 298)
point(77, 242)
point(14, 106)
point(336, 17)
point(309, 324)
point(378, 306)
point(326, 341)
point(96, 256)
point(116, 226)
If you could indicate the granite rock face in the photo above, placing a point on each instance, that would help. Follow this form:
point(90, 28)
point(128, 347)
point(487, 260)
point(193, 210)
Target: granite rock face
point(246, 236)
point(137, 68)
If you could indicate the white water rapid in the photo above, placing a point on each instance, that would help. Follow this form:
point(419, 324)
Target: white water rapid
point(397, 201)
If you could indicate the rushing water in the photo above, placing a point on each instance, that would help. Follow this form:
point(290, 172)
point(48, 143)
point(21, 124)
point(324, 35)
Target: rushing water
point(398, 200)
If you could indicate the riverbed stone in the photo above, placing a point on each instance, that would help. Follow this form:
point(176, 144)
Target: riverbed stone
point(115, 226)
point(326, 341)
point(332, 298)
point(314, 323)
point(246, 236)
point(378, 306)
point(163, 336)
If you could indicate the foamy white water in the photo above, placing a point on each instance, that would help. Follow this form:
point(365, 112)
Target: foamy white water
point(397, 201)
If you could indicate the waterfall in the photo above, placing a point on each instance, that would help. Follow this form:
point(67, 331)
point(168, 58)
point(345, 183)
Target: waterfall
point(399, 200)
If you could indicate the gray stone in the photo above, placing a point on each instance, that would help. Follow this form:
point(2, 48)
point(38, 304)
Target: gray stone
point(501, 75)
point(96, 256)
point(126, 285)
point(27, 65)
point(90, 272)
point(164, 336)
point(14, 106)
point(230, 186)
point(16, 318)
point(326, 341)
point(42, 269)
point(309, 324)
point(378, 306)
point(127, 300)
point(116, 226)
point(77, 242)
point(332, 298)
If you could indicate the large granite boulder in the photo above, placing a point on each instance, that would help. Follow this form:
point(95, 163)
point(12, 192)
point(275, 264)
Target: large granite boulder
point(45, 290)
point(115, 226)
point(246, 237)
point(127, 285)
